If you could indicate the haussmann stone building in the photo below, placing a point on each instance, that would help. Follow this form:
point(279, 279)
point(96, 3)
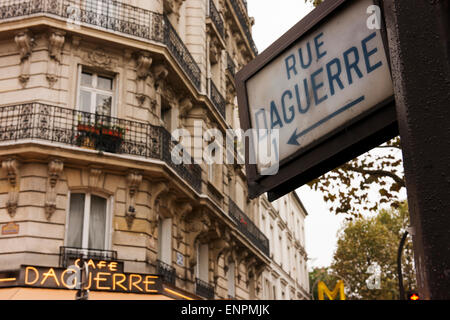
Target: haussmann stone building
point(90, 92)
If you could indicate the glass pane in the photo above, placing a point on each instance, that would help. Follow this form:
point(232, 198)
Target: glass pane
point(86, 79)
point(85, 101)
point(76, 216)
point(97, 223)
point(104, 83)
point(103, 104)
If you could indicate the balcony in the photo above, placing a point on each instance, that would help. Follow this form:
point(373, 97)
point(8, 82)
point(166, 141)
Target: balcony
point(68, 255)
point(214, 15)
point(249, 229)
point(86, 130)
point(241, 15)
point(111, 16)
point(204, 289)
point(217, 99)
point(167, 272)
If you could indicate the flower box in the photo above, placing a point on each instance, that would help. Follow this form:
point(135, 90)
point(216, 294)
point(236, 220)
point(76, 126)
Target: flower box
point(100, 137)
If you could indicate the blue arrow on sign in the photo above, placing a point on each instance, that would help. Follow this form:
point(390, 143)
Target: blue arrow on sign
point(293, 140)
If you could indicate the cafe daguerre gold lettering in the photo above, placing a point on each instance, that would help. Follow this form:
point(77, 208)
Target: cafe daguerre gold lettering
point(101, 275)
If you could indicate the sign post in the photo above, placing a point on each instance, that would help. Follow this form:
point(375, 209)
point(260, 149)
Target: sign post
point(418, 33)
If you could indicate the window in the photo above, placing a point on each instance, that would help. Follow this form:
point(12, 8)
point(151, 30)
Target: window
point(165, 241)
point(231, 277)
point(203, 262)
point(96, 93)
point(88, 222)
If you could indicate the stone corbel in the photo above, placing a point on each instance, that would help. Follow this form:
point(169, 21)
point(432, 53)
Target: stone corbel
point(172, 8)
point(55, 168)
point(214, 51)
point(250, 266)
point(166, 205)
point(158, 188)
point(197, 224)
point(134, 179)
point(25, 43)
point(55, 46)
point(218, 247)
point(258, 273)
point(94, 177)
point(12, 173)
point(144, 63)
point(185, 106)
point(183, 209)
point(160, 73)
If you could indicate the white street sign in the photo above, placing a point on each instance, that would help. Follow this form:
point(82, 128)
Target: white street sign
point(323, 81)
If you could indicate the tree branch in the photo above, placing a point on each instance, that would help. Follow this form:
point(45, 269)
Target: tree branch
point(381, 173)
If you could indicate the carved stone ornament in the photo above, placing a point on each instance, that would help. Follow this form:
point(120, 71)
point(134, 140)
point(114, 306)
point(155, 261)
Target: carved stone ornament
point(144, 62)
point(55, 46)
point(55, 168)
point(160, 73)
point(25, 43)
point(12, 173)
point(94, 177)
point(157, 189)
point(99, 58)
point(183, 209)
point(214, 51)
point(172, 8)
point(134, 179)
point(185, 106)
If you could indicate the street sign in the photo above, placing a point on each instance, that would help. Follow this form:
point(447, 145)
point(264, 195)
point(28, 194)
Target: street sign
point(326, 87)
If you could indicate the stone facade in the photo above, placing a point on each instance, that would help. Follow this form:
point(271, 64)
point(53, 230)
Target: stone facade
point(283, 223)
point(141, 69)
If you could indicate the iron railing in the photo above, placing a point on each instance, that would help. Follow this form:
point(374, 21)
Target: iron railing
point(112, 16)
point(231, 67)
point(181, 53)
point(167, 272)
point(243, 22)
point(204, 289)
point(249, 229)
point(217, 99)
point(95, 131)
point(213, 13)
point(245, 4)
point(67, 255)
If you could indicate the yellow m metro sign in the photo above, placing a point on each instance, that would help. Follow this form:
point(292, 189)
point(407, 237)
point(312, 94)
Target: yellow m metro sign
point(339, 288)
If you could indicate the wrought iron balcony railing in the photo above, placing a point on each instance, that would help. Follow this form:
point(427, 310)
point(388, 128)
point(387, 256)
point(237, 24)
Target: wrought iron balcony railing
point(249, 229)
point(213, 13)
point(243, 22)
point(217, 99)
point(67, 255)
point(39, 121)
point(204, 289)
point(112, 16)
point(167, 272)
point(231, 67)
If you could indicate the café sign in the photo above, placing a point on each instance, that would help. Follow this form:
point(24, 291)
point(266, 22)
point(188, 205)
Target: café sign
point(101, 276)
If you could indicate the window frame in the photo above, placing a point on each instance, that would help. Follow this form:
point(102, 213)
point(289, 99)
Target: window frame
point(94, 91)
point(87, 213)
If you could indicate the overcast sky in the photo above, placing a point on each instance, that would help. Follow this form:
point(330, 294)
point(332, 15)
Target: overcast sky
point(273, 19)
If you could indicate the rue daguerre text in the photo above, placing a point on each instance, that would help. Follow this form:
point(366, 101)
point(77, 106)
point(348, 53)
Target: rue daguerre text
point(228, 309)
